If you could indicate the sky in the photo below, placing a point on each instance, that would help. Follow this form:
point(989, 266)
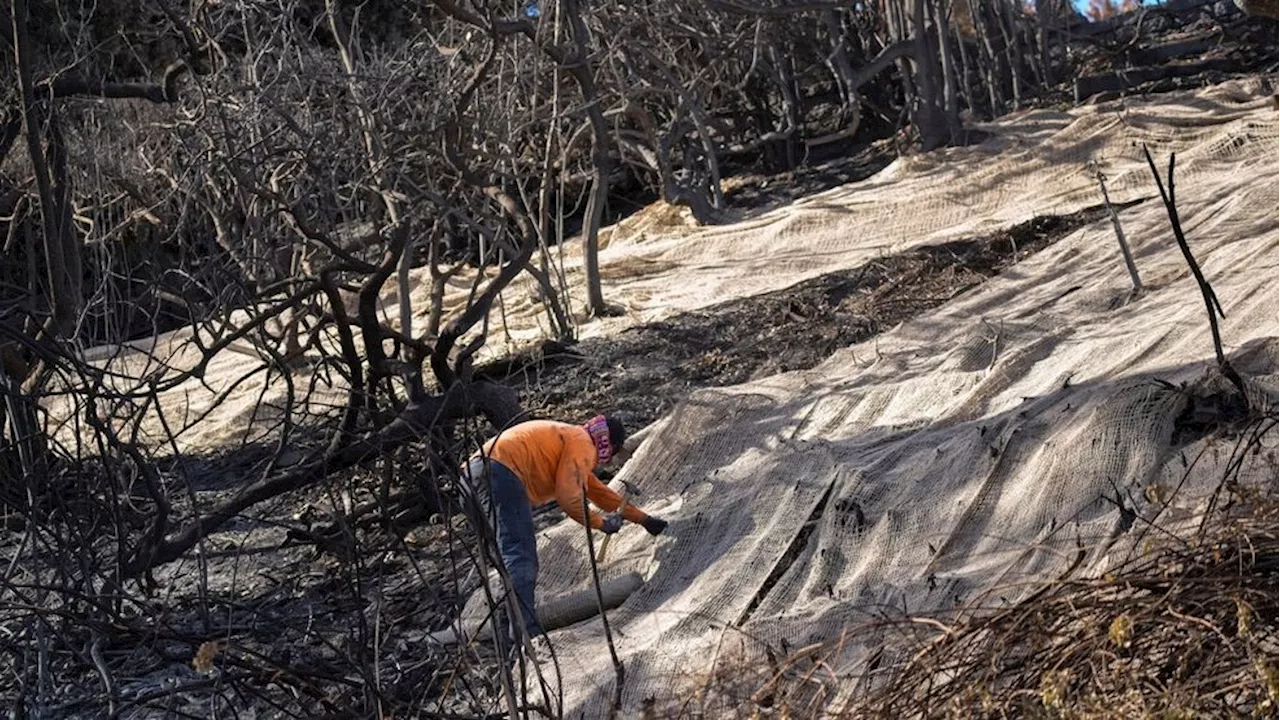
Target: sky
point(1083, 5)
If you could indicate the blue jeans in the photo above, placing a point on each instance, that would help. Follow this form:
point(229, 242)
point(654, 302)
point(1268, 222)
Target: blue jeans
point(505, 506)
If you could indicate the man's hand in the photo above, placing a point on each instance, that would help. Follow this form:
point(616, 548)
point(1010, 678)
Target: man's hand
point(655, 525)
point(611, 523)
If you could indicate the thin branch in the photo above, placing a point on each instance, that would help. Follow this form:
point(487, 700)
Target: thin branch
point(159, 93)
point(619, 670)
point(1206, 290)
point(1124, 245)
point(63, 315)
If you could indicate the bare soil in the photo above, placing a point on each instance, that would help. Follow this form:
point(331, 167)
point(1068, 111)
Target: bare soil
point(644, 371)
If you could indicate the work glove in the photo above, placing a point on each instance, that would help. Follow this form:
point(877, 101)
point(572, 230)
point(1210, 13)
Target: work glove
point(655, 525)
point(611, 523)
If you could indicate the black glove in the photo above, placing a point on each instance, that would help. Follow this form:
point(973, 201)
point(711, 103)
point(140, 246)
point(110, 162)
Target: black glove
point(611, 523)
point(655, 525)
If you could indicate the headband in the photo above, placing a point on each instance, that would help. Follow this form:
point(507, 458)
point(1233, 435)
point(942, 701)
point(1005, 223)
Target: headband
point(598, 428)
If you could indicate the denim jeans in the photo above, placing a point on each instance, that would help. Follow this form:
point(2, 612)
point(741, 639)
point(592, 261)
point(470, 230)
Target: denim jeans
point(506, 509)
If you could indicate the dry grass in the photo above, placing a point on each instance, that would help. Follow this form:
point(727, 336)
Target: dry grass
point(1186, 631)
point(655, 220)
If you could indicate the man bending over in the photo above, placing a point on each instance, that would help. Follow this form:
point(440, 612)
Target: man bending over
point(537, 461)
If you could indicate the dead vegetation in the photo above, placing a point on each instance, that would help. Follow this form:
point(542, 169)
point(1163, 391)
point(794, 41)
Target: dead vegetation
point(1186, 628)
point(295, 156)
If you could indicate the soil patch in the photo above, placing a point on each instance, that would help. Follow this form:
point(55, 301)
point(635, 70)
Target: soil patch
point(644, 371)
point(750, 192)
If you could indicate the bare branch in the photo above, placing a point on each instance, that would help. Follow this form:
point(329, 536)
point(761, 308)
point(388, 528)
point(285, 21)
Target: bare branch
point(167, 92)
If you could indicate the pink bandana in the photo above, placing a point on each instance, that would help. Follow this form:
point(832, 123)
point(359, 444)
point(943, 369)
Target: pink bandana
point(598, 428)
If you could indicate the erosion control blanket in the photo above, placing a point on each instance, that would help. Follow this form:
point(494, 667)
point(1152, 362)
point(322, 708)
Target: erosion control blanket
point(1036, 162)
point(1027, 428)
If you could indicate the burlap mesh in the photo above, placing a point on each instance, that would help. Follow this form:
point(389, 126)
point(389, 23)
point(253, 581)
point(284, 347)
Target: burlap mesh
point(977, 449)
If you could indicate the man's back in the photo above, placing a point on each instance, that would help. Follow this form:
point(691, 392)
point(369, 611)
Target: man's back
point(537, 450)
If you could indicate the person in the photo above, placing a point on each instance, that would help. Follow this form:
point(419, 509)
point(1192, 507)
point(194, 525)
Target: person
point(537, 461)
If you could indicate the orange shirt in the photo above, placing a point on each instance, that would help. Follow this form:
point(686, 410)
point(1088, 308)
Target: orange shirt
point(556, 460)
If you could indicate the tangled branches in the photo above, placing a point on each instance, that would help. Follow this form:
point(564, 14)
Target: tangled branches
point(1186, 630)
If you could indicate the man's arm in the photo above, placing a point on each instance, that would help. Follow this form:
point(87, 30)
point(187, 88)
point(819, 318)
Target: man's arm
point(603, 497)
point(570, 480)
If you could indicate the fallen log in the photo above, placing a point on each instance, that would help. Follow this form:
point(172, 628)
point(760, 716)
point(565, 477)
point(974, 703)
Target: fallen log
point(554, 613)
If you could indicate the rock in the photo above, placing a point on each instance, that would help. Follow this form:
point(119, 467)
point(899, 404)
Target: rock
point(1225, 9)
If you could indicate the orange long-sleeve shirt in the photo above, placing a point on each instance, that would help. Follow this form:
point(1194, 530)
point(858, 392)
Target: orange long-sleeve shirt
point(556, 460)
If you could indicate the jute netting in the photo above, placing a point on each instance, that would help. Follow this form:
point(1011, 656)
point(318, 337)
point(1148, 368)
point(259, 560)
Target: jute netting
point(1022, 430)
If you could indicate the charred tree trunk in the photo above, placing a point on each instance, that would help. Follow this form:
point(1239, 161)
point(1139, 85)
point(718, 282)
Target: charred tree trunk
point(929, 119)
point(967, 83)
point(994, 65)
point(790, 103)
point(951, 105)
point(899, 31)
point(844, 72)
point(580, 69)
point(60, 247)
point(1013, 48)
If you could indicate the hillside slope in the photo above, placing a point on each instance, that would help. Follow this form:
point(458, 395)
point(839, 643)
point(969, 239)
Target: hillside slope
point(978, 448)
